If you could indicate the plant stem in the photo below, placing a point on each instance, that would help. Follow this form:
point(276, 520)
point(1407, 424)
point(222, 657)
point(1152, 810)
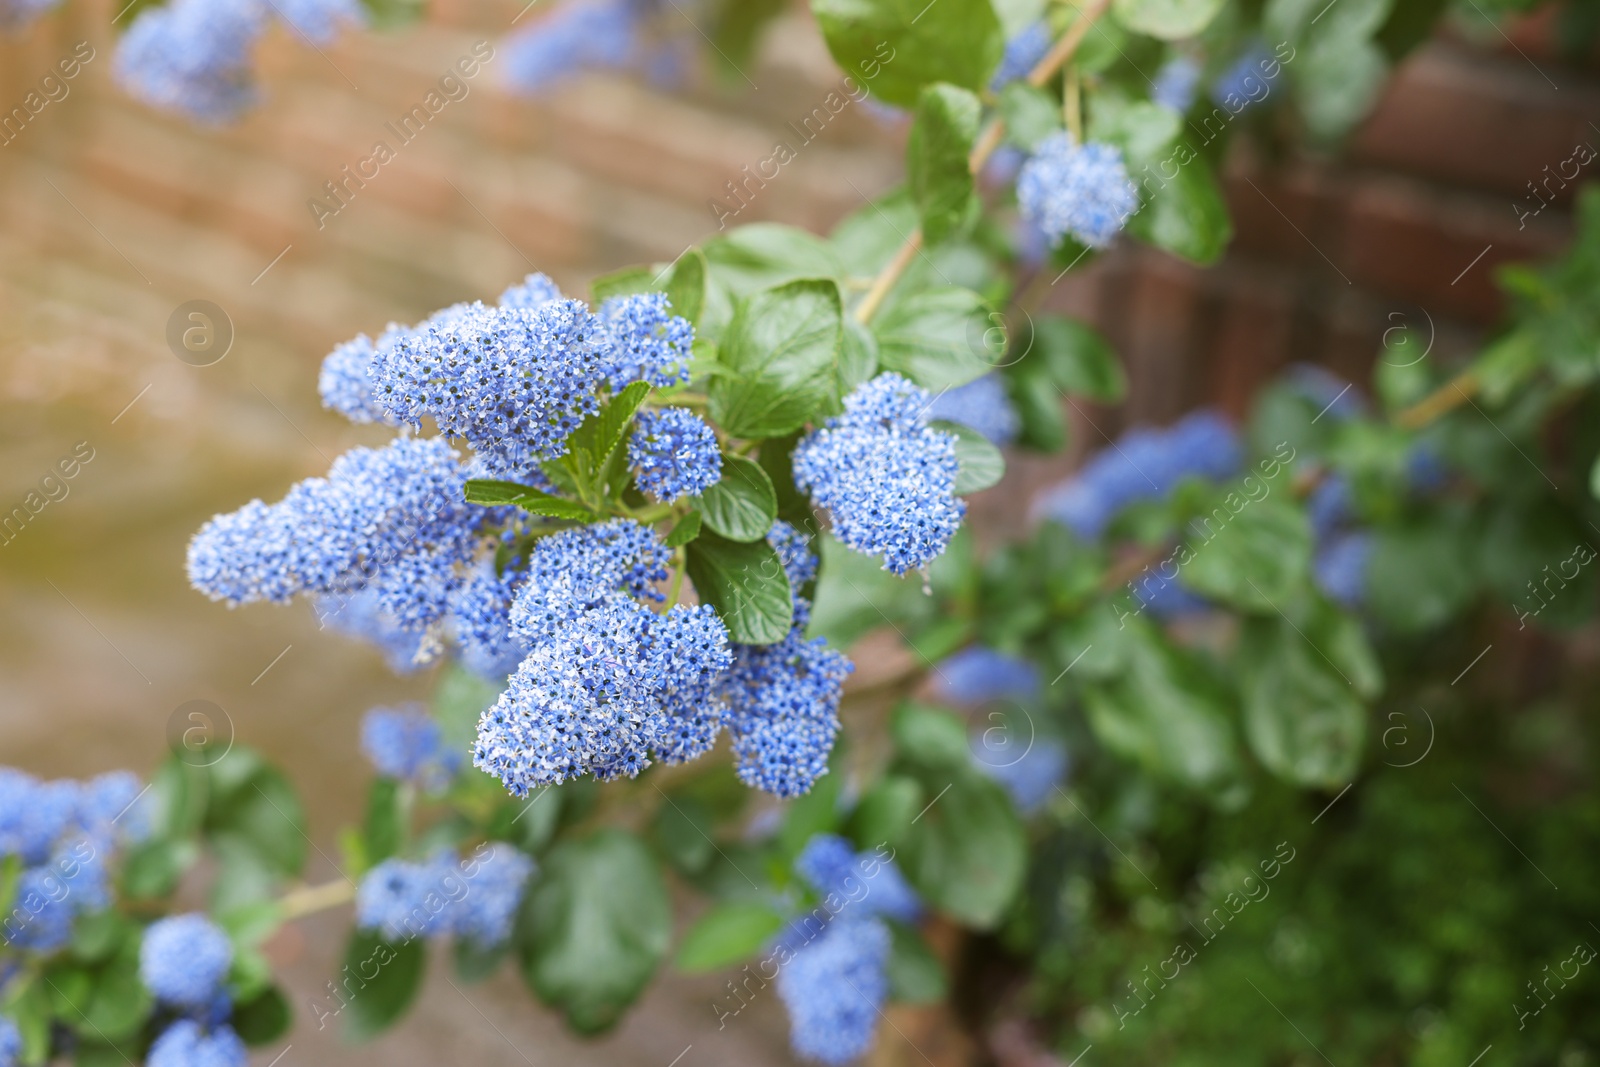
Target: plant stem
point(313, 898)
point(1072, 105)
point(988, 141)
point(680, 565)
point(887, 277)
point(1447, 397)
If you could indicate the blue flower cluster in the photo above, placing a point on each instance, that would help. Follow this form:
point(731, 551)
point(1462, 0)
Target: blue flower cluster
point(794, 552)
point(14, 15)
point(981, 404)
point(1144, 464)
point(474, 898)
point(862, 881)
point(674, 454)
point(391, 520)
point(783, 710)
point(194, 56)
point(407, 743)
point(1082, 191)
point(647, 342)
point(345, 381)
point(184, 960)
point(834, 989)
point(63, 834)
point(1176, 83)
point(1340, 567)
point(480, 616)
point(578, 570)
point(606, 689)
point(186, 1043)
point(360, 616)
point(534, 291)
point(513, 382)
point(834, 979)
point(1028, 778)
point(978, 674)
point(10, 1043)
point(1246, 81)
point(1022, 54)
point(884, 475)
point(783, 698)
point(579, 35)
point(598, 35)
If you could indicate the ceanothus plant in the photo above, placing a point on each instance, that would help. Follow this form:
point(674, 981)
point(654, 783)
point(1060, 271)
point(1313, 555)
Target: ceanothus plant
point(631, 539)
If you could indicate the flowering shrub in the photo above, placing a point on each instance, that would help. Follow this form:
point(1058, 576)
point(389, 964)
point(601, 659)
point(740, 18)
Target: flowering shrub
point(619, 529)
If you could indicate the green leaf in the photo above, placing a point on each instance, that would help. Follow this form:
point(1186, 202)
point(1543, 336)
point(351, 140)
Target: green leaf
point(611, 425)
point(1165, 715)
point(1421, 573)
point(1075, 359)
point(386, 15)
point(886, 810)
point(1185, 214)
point(764, 255)
point(966, 851)
point(249, 975)
point(493, 493)
point(383, 831)
point(382, 979)
point(686, 530)
point(1250, 554)
point(263, 813)
point(10, 876)
point(262, 1019)
point(868, 238)
point(783, 350)
point(458, 703)
point(727, 933)
point(936, 338)
point(930, 737)
point(475, 962)
point(813, 813)
point(743, 504)
point(1142, 129)
point(28, 1005)
point(686, 285)
point(1167, 20)
point(177, 798)
point(97, 935)
point(118, 1004)
point(1339, 79)
point(597, 924)
point(245, 877)
point(1302, 717)
point(746, 584)
point(682, 830)
point(1039, 406)
point(252, 923)
point(899, 46)
point(152, 869)
point(941, 139)
point(1030, 113)
point(855, 594)
point(624, 282)
point(979, 462)
point(915, 974)
point(858, 360)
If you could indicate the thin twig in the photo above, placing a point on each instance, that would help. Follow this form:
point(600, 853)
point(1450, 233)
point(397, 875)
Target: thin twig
point(313, 898)
point(988, 141)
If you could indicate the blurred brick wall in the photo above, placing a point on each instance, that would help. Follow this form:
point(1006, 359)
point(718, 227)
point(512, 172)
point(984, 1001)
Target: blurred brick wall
point(1328, 255)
